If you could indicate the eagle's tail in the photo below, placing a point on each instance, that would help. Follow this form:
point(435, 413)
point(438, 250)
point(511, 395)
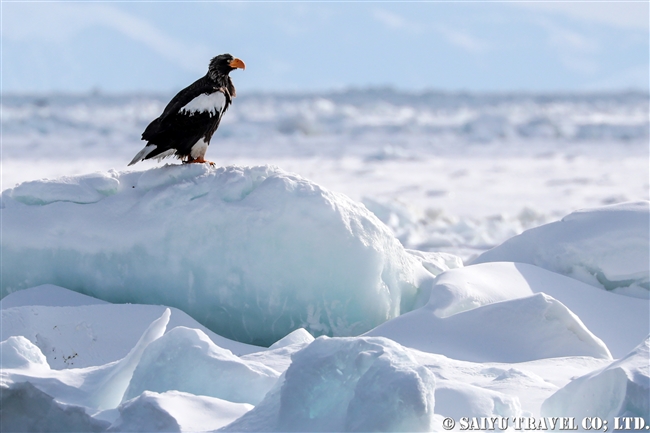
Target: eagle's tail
point(142, 155)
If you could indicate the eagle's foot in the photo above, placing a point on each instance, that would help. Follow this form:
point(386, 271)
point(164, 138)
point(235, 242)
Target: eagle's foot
point(199, 160)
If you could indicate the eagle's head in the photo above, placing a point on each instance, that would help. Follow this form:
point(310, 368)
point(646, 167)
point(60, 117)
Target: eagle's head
point(223, 64)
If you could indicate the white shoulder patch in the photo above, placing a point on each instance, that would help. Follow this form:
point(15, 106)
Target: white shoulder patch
point(212, 103)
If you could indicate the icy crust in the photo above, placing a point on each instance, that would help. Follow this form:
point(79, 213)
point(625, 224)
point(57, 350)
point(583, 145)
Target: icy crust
point(347, 384)
point(252, 253)
point(607, 247)
point(621, 389)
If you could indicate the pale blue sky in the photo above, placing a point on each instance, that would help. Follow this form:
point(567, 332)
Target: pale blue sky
point(478, 46)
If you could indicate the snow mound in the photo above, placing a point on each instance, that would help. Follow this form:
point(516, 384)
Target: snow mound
point(184, 359)
point(621, 389)
point(252, 253)
point(524, 329)
point(620, 321)
point(606, 247)
point(88, 335)
point(347, 384)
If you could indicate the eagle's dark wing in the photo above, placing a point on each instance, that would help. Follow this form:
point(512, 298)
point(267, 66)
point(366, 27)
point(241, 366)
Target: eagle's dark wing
point(182, 98)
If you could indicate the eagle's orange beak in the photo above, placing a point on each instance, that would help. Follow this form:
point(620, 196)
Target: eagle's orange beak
point(236, 63)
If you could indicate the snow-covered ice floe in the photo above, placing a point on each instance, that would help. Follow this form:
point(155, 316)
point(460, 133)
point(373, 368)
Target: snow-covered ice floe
point(265, 256)
point(250, 252)
point(619, 321)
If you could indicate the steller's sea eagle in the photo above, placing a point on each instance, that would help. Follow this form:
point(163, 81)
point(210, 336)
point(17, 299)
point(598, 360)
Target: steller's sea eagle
point(185, 127)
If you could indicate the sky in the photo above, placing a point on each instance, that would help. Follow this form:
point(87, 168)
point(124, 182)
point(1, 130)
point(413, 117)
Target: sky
point(323, 46)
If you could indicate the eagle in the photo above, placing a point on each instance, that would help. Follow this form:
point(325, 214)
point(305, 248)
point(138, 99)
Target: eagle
point(187, 123)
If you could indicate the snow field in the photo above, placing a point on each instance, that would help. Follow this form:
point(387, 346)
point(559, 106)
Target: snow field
point(280, 260)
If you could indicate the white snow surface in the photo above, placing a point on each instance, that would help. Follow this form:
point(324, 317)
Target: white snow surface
point(252, 253)
point(607, 247)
